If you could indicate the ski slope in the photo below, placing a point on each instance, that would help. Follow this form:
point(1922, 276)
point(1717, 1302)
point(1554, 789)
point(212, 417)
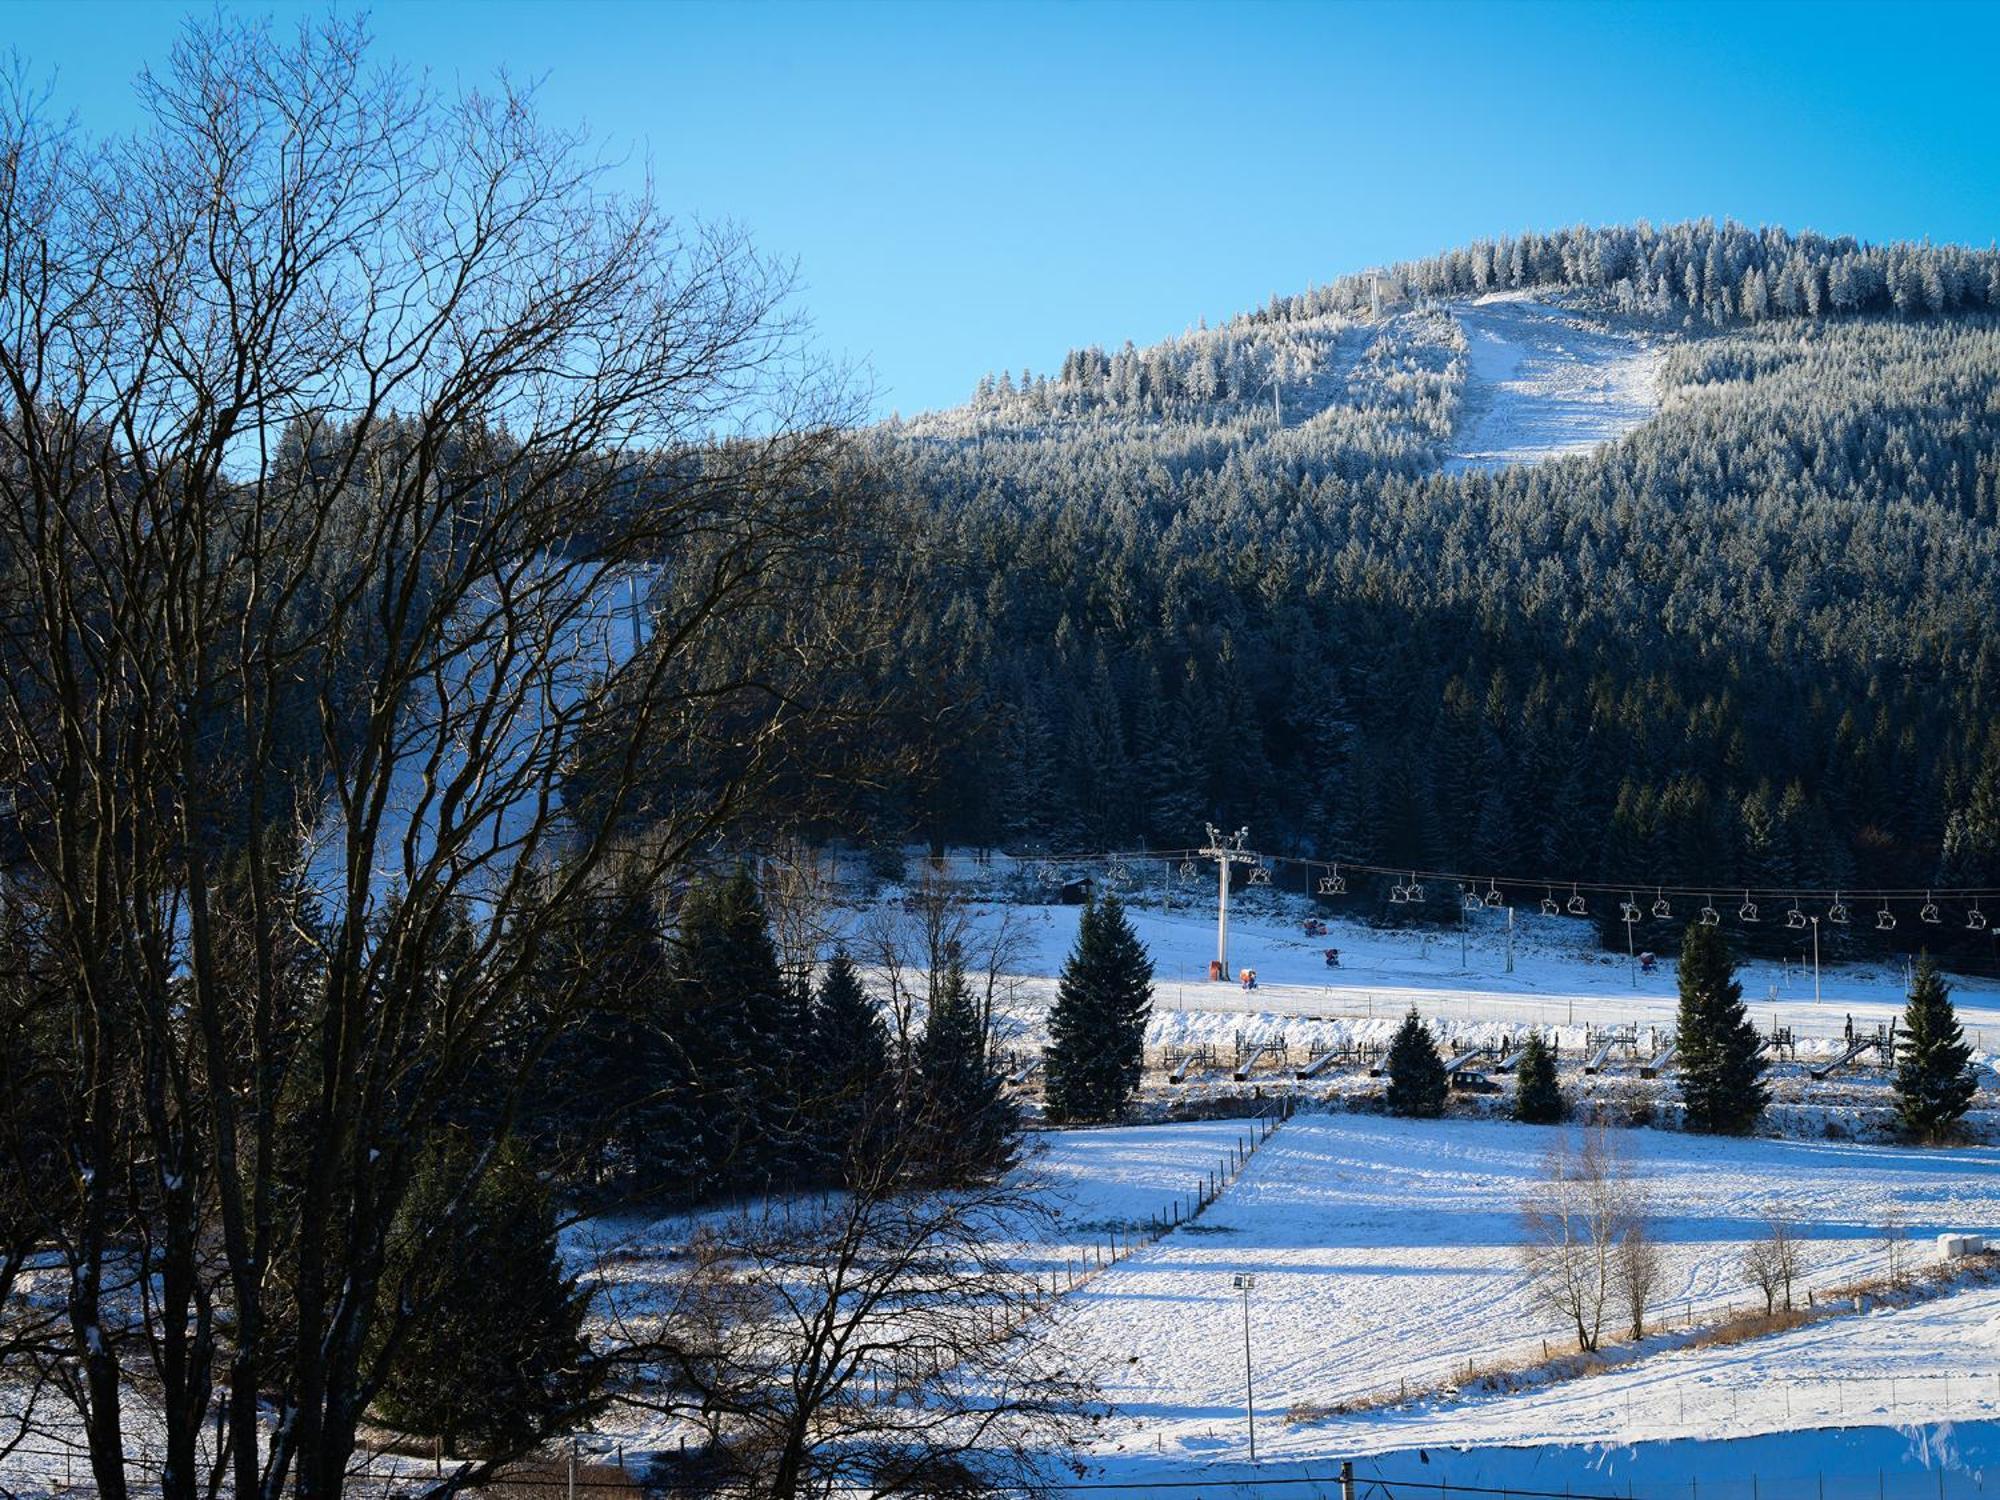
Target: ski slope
point(1559, 979)
point(1543, 384)
point(1384, 1251)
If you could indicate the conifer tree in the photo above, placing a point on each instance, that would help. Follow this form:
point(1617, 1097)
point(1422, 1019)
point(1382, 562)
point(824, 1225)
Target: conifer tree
point(969, 1124)
point(732, 1022)
point(1538, 1098)
point(495, 1356)
point(850, 1053)
point(1097, 1029)
point(1934, 1079)
point(1720, 1071)
point(1417, 1082)
point(597, 1101)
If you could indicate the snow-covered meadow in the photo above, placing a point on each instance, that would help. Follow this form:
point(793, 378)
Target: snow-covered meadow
point(1385, 1254)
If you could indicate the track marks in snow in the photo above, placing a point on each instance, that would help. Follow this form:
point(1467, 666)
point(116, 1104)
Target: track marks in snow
point(1544, 385)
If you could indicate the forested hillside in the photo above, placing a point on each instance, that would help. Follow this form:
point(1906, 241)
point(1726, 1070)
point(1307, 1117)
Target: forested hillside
point(1753, 643)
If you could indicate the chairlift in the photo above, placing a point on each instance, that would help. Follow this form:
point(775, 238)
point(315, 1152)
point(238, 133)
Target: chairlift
point(1550, 906)
point(1837, 913)
point(1975, 920)
point(1493, 896)
point(1187, 870)
point(1662, 908)
point(1885, 920)
point(1399, 894)
point(1747, 912)
point(1708, 915)
point(1628, 911)
point(1260, 874)
point(1578, 907)
point(1928, 912)
point(1469, 899)
point(1414, 891)
point(1336, 883)
point(1795, 919)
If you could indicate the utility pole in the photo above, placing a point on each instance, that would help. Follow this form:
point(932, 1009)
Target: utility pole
point(1225, 852)
point(1243, 1284)
point(1510, 940)
point(1815, 928)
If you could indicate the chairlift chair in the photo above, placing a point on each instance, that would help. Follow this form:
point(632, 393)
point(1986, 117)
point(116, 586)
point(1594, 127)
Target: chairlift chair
point(1885, 920)
point(1747, 912)
point(1661, 907)
point(1260, 874)
point(1414, 891)
point(1469, 899)
point(1399, 894)
point(1928, 912)
point(1493, 896)
point(1578, 907)
point(1975, 920)
point(1837, 913)
point(1187, 870)
point(1550, 907)
point(1708, 915)
point(1628, 911)
point(1795, 919)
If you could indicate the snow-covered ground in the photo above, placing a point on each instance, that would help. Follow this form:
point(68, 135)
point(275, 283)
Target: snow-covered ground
point(1384, 1252)
point(1544, 383)
point(1559, 979)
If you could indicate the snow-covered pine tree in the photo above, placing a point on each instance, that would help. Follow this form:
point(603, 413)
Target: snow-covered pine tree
point(969, 1124)
point(1417, 1082)
point(1934, 1080)
point(1720, 1071)
point(1538, 1098)
point(1097, 1029)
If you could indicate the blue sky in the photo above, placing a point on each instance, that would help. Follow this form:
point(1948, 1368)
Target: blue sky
point(970, 187)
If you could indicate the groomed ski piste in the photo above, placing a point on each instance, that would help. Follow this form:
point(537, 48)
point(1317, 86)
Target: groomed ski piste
point(1546, 383)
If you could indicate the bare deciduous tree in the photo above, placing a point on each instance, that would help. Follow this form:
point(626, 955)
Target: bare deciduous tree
point(394, 522)
point(1773, 1263)
point(1641, 1264)
point(1576, 1223)
point(885, 1340)
point(909, 944)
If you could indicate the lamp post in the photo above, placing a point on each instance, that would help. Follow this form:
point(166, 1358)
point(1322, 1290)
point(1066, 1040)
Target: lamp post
point(1243, 1284)
point(1815, 928)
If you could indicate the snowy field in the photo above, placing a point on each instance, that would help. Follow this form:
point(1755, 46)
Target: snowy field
point(1559, 979)
point(1384, 1252)
point(1543, 384)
